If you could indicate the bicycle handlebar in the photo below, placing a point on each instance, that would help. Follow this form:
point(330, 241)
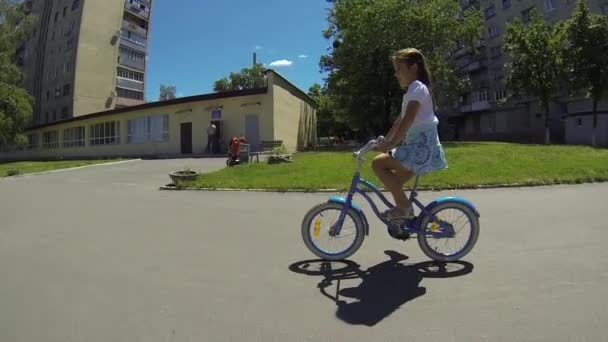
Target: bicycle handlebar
point(368, 147)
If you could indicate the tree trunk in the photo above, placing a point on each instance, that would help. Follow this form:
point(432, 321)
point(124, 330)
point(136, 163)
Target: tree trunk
point(594, 131)
point(547, 130)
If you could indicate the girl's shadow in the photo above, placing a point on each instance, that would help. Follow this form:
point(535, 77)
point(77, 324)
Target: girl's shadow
point(383, 289)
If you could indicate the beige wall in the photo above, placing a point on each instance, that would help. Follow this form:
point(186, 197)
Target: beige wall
point(97, 57)
point(198, 113)
point(294, 118)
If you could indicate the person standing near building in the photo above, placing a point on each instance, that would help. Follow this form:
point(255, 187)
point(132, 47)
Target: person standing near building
point(211, 139)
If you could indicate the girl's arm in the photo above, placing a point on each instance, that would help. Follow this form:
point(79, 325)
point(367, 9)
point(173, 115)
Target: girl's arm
point(400, 127)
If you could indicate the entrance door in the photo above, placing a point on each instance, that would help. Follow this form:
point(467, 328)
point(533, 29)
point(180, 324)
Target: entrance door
point(252, 131)
point(186, 137)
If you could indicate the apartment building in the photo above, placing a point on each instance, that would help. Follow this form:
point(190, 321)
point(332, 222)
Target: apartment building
point(483, 113)
point(85, 56)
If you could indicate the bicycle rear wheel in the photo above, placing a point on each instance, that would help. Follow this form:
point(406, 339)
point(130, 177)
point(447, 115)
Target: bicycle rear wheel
point(451, 237)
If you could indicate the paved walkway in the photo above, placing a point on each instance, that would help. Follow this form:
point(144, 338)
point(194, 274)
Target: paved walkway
point(99, 254)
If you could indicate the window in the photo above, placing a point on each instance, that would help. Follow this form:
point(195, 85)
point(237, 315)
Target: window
point(132, 55)
point(579, 122)
point(73, 137)
point(480, 96)
point(141, 5)
point(75, 4)
point(604, 8)
point(105, 133)
point(56, 16)
point(500, 94)
point(69, 43)
point(50, 139)
point(493, 31)
point(133, 37)
point(549, 5)
point(506, 4)
point(32, 141)
point(150, 128)
point(130, 74)
point(54, 115)
point(490, 12)
point(67, 67)
point(64, 112)
point(53, 35)
point(57, 92)
point(130, 94)
point(48, 96)
point(66, 90)
point(65, 11)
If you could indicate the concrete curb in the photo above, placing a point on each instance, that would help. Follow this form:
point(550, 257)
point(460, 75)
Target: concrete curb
point(470, 187)
point(69, 169)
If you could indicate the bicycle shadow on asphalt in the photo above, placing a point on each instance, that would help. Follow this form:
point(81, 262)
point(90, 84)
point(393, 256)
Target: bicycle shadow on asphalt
point(384, 287)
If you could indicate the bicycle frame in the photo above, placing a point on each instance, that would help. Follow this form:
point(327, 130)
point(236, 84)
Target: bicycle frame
point(357, 183)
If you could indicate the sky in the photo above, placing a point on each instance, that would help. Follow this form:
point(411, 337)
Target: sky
point(194, 44)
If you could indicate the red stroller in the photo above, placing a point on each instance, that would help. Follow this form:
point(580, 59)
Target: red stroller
point(233, 153)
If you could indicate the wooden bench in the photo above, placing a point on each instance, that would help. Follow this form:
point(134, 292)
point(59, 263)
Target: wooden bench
point(266, 147)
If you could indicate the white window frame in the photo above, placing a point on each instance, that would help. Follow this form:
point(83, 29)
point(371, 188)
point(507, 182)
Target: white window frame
point(33, 141)
point(71, 138)
point(101, 133)
point(50, 139)
point(146, 132)
point(129, 74)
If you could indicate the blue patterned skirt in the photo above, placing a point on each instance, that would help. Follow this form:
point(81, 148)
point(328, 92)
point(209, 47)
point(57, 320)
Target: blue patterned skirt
point(422, 151)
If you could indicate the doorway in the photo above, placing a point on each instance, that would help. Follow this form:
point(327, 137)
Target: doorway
point(186, 138)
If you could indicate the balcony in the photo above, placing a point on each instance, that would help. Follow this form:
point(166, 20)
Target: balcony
point(475, 107)
point(129, 84)
point(138, 7)
point(475, 65)
point(134, 28)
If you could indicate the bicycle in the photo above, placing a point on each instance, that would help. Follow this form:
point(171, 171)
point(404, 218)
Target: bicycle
point(428, 226)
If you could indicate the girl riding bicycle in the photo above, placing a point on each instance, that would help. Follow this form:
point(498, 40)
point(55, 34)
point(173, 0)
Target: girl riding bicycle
point(416, 126)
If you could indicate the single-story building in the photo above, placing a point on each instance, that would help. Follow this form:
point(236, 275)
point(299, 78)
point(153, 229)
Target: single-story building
point(278, 112)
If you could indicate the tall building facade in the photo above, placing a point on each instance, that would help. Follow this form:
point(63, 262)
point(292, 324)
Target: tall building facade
point(85, 56)
point(483, 113)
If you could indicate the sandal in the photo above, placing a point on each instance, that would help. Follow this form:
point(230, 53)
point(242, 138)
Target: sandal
point(397, 213)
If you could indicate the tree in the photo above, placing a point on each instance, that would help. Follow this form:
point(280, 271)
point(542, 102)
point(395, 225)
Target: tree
point(247, 78)
point(364, 33)
point(166, 92)
point(584, 56)
point(330, 120)
point(535, 67)
point(16, 105)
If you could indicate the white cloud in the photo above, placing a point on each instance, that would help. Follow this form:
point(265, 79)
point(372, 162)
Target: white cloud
point(303, 56)
point(281, 63)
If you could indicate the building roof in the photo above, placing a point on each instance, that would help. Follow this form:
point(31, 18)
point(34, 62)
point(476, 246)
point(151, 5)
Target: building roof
point(181, 100)
point(150, 105)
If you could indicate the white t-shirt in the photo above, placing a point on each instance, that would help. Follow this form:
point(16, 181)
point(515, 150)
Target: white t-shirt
point(419, 92)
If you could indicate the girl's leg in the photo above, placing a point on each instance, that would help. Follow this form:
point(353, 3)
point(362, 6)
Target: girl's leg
point(393, 175)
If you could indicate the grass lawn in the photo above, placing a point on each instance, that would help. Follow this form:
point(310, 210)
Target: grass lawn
point(39, 166)
point(470, 164)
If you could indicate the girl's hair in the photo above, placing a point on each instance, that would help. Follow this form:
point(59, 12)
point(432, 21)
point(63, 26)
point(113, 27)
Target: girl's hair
point(412, 56)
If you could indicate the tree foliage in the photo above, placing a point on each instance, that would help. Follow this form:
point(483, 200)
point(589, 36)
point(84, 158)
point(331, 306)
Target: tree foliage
point(536, 68)
point(585, 56)
point(167, 92)
point(16, 105)
point(364, 33)
point(247, 78)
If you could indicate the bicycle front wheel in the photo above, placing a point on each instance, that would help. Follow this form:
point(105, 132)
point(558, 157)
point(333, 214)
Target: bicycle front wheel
point(316, 227)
